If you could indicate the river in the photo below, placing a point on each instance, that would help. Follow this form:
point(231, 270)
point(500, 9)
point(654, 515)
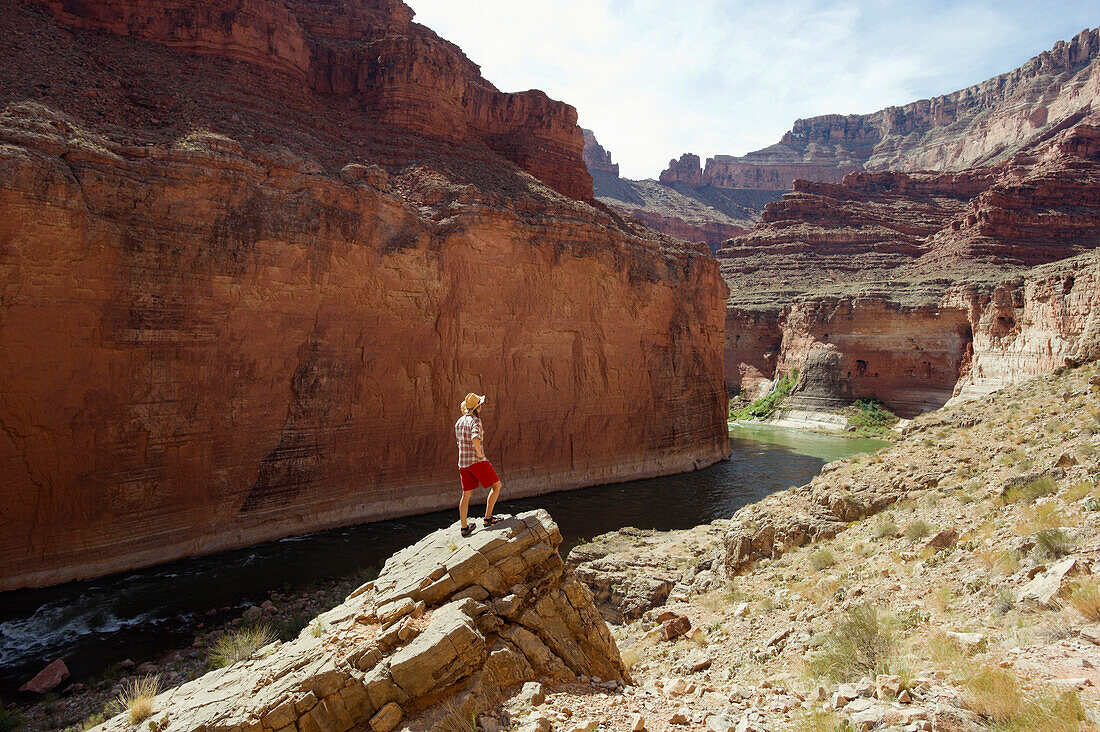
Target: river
point(95, 623)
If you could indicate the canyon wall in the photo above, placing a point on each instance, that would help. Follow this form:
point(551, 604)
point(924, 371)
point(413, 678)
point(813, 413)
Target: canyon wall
point(916, 288)
point(980, 125)
point(233, 313)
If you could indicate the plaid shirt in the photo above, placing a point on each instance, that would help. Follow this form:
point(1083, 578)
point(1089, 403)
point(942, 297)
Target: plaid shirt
point(466, 429)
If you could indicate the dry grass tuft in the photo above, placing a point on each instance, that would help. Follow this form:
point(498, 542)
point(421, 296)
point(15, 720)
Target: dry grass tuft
point(919, 529)
point(137, 696)
point(860, 643)
point(240, 644)
point(995, 694)
point(1085, 597)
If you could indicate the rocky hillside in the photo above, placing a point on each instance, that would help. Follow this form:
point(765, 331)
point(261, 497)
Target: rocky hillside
point(913, 288)
point(947, 582)
point(252, 256)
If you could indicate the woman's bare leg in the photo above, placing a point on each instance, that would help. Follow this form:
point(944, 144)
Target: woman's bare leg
point(463, 508)
point(494, 491)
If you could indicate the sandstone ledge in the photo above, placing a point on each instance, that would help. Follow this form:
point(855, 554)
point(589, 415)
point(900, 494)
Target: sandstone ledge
point(447, 625)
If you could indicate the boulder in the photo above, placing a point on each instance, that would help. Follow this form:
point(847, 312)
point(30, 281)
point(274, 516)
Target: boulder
point(415, 646)
point(945, 539)
point(47, 679)
point(675, 627)
point(1044, 589)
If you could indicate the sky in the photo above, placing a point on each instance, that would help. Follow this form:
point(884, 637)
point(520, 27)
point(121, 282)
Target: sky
point(654, 79)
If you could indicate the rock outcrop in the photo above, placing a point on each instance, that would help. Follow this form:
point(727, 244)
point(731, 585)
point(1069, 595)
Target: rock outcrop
point(447, 627)
point(980, 125)
point(243, 291)
point(914, 288)
point(631, 571)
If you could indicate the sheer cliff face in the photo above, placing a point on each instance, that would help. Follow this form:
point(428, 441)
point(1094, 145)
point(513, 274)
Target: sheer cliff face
point(980, 125)
point(237, 305)
point(917, 287)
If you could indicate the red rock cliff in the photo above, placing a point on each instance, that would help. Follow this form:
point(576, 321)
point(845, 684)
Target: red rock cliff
point(240, 298)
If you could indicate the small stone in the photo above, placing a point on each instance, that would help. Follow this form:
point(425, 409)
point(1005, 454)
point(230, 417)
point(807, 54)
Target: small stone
point(697, 660)
point(533, 693)
point(971, 642)
point(48, 678)
point(905, 697)
point(252, 614)
point(387, 718)
point(637, 723)
point(740, 610)
point(678, 718)
point(943, 540)
point(147, 669)
point(888, 686)
point(585, 726)
point(268, 607)
point(1046, 587)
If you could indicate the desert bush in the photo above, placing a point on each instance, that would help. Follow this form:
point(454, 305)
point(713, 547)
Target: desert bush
point(1028, 491)
point(870, 418)
point(136, 697)
point(917, 530)
point(240, 644)
point(1085, 597)
point(860, 643)
point(9, 720)
point(762, 408)
point(885, 528)
point(995, 694)
point(822, 559)
point(1052, 543)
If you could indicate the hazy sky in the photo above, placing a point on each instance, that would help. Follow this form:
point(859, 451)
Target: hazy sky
point(655, 79)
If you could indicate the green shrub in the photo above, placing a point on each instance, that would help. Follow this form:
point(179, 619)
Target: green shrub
point(822, 559)
point(1052, 543)
point(9, 720)
point(1027, 492)
point(919, 529)
point(860, 643)
point(762, 408)
point(870, 417)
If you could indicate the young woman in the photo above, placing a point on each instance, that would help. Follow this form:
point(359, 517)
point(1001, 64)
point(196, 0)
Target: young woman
point(473, 468)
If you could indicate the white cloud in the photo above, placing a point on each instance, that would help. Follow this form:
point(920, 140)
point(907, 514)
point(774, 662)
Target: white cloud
point(655, 79)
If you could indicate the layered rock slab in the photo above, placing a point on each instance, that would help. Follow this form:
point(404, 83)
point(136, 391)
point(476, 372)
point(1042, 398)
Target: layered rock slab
point(447, 625)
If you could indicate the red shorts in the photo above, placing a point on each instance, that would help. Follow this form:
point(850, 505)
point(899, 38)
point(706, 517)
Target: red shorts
point(482, 473)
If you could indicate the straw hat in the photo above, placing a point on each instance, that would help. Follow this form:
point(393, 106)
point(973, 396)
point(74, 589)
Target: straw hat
point(472, 402)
